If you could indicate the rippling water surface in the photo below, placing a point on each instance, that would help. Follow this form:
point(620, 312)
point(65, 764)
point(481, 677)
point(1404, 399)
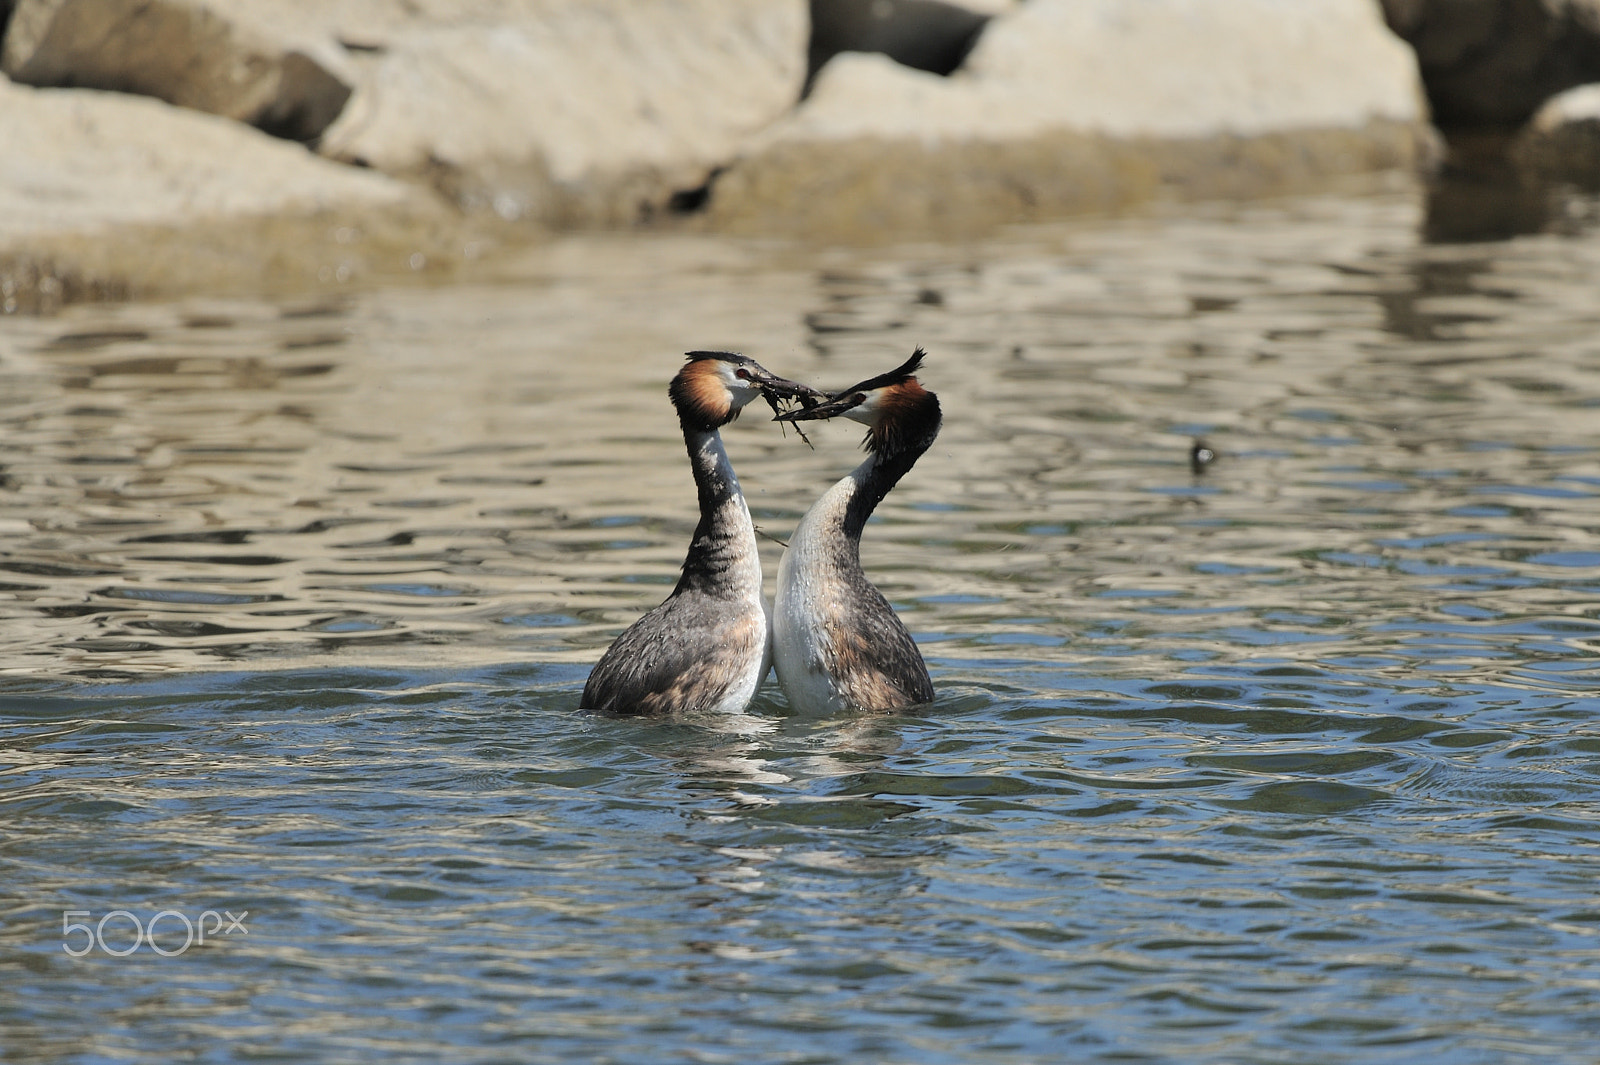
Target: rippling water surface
point(1294, 759)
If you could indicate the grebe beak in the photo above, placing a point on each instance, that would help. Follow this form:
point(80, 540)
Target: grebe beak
point(780, 392)
point(834, 406)
point(783, 388)
point(848, 399)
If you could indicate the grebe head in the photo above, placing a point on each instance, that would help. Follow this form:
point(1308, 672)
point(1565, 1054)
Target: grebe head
point(714, 386)
point(898, 412)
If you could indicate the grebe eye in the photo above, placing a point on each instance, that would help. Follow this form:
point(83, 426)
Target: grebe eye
point(742, 374)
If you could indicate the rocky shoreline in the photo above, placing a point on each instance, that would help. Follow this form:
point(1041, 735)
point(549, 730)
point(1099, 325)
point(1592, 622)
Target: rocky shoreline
point(162, 146)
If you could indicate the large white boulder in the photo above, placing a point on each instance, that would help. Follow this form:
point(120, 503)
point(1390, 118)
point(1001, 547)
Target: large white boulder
point(207, 55)
point(568, 110)
point(129, 194)
point(1120, 97)
point(562, 111)
point(1137, 68)
point(79, 159)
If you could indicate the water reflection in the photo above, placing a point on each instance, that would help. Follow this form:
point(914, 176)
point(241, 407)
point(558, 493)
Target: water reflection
point(1487, 190)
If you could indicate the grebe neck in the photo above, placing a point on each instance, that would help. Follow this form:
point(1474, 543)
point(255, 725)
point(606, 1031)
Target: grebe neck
point(722, 557)
point(871, 481)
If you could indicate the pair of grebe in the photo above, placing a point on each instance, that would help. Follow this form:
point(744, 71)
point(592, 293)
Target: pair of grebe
point(832, 636)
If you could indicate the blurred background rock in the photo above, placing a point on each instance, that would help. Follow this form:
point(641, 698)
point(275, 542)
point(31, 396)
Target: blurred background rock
point(155, 146)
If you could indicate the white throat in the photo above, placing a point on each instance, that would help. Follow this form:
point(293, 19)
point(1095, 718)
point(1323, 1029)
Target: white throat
point(809, 576)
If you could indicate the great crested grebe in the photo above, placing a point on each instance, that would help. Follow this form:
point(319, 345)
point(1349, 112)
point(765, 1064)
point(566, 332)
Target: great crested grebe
point(708, 647)
point(835, 640)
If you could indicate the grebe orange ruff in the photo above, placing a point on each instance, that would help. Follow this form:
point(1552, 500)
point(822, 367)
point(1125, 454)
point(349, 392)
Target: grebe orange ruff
point(836, 642)
point(708, 646)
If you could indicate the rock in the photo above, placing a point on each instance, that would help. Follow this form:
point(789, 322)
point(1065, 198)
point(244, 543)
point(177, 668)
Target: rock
point(569, 111)
point(77, 159)
point(1151, 68)
point(193, 53)
point(1070, 105)
point(922, 34)
point(1492, 63)
point(133, 195)
point(562, 112)
point(1562, 142)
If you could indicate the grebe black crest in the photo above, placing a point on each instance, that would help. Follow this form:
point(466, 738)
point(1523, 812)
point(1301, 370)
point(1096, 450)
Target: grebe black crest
point(837, 643)
point(708, 646)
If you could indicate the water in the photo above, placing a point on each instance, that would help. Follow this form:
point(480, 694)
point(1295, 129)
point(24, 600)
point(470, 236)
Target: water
point(1294, 759)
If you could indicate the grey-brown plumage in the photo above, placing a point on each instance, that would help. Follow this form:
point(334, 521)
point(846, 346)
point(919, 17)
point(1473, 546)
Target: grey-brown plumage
point(836, 641)
point(707, 647)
